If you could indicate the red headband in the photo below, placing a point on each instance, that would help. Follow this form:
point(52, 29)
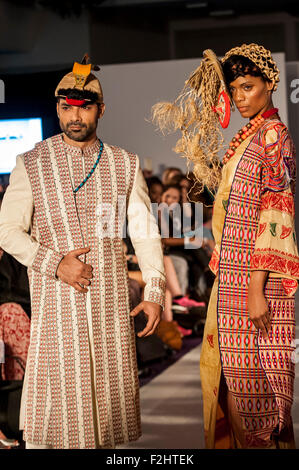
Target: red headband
point(73, 102)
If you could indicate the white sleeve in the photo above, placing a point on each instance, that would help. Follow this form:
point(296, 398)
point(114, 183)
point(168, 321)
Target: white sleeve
point(15, 225)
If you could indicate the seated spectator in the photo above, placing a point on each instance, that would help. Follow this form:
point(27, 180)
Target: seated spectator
point(169, 173)
point(173, 295)
point(176, 242)
point(15, 315)
point(155, 189)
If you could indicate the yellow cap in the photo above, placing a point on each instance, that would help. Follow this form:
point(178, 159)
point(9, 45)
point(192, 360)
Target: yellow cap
point(81, 78)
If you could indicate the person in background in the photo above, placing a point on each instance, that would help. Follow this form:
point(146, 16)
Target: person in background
point(155, 189)
point(191, 249)
point(169, 173)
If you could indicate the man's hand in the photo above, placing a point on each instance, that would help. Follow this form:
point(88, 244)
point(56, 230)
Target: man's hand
point(74, 272)
point(153, 312)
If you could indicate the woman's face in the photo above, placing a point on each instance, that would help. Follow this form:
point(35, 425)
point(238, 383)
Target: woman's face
point(185, 186)
point(251, 95)
point(155, 193)
point(172, 195)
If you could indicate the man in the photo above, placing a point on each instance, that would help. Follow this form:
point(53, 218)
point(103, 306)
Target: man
point(61, 216)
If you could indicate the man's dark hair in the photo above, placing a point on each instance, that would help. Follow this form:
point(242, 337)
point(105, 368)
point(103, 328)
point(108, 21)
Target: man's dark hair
point(75, 94)
point(239, 66)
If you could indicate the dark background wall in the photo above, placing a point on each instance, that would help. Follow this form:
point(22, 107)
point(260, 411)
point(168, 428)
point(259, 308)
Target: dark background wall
point(40, 39)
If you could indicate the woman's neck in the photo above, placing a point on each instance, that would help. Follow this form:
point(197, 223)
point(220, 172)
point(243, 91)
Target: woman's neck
point(264, 109)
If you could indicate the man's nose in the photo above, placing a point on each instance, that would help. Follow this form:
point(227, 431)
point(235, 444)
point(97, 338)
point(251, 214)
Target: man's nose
point(76, 116)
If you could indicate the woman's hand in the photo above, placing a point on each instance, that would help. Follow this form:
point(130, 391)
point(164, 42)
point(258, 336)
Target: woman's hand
point(258, 309)
point(259, 313)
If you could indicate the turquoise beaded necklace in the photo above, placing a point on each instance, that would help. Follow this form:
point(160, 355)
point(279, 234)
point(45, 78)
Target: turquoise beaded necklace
point(92, 170)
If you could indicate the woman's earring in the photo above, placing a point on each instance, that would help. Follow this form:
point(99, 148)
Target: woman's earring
point(223, 109)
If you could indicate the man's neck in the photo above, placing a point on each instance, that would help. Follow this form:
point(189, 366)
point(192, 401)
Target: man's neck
point(82, 145)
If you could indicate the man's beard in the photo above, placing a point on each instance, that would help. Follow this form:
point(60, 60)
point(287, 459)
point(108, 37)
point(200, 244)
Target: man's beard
point(79, 135)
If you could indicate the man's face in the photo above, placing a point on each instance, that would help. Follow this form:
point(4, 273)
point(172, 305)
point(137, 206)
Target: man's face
point(79, 123)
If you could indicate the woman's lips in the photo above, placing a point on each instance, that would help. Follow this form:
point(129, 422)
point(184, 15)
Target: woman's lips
point(242, 108)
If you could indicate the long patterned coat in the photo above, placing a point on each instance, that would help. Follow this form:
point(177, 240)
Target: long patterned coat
point(254, 229)
point(81, 383)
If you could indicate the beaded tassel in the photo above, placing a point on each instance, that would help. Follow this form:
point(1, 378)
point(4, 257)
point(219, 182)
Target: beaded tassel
point(92, 170)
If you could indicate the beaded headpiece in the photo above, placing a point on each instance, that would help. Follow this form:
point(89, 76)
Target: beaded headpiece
point(260, 56)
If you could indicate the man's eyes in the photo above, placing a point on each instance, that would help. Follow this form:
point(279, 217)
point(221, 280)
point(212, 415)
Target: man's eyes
point(65, 108)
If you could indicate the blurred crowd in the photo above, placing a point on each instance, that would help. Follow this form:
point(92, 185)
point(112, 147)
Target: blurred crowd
point(184, 219)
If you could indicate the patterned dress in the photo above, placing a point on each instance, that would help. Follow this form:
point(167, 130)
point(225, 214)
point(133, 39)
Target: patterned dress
point(81, 383)
point(253, 226)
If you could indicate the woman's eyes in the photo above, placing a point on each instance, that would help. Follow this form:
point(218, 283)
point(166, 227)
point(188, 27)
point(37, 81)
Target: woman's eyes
point(246, 87)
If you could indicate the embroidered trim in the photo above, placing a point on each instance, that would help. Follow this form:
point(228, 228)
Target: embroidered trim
point(285, 231)
point(273, 228)
point(278, 201)
point(278, 158)
point(156, 297)
point(275, 261)
point(262, 228)
point(210, 339)
point(225, 204)
point(46, 261)
point(290, 286)
point(214, 262)
point(158, 282)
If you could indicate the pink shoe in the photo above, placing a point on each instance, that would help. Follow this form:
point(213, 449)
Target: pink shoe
point(186, 302)
point(183, 331)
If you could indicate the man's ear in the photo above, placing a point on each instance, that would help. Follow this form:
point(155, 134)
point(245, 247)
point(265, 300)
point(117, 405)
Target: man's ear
point(102, 108)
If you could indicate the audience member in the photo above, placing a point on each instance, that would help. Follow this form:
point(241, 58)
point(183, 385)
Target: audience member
point(155, 189)
point(169, 173)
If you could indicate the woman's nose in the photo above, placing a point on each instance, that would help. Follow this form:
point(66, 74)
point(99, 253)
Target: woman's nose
point(239, 96)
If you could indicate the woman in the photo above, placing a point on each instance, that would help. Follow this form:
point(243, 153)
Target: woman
point(246, 366)
point(177, 243)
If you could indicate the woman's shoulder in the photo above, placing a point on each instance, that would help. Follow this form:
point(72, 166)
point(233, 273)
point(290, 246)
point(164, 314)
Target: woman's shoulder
point(272, 131)
point(278, 155)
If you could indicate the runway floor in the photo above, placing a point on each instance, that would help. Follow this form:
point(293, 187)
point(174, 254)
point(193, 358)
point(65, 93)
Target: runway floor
point(171, 406)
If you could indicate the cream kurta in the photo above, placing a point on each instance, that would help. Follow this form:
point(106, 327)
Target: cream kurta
point(81, 377)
